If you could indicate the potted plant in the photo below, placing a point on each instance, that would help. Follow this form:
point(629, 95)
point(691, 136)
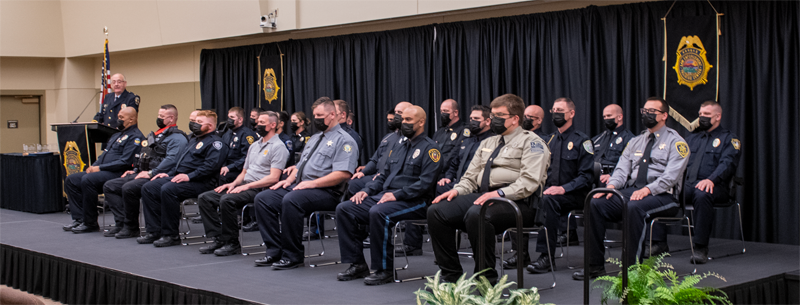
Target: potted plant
point(649, 285)
point(463, 292)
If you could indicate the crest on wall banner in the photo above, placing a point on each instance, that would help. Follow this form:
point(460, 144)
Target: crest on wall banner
point(270, 85)
point(691, 66)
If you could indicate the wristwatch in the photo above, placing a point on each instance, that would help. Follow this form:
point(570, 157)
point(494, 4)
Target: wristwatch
point(500, 192)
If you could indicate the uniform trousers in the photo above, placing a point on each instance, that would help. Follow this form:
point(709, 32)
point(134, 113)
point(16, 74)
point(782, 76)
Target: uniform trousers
point(554, 207)
point(445, 217)
point(126, 193)
point(704, 212)
point(353, 220)
point(284, 239)
point(161, 200)
point(225, 224)
point(82, 190)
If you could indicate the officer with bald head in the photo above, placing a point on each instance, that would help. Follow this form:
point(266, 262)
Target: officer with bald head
point(451, 133)
point(534, 114)
point(114, 103)
point(400, 191)
point(609, 144)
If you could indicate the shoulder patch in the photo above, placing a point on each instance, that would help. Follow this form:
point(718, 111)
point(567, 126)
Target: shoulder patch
point(466, 132)
point(682, 149)
point(136, 141)
point(537, 147)
point(289, 143)
point(435, 155)
point(347, 148)
point(217, 145)
point(250, 139)
point(736, 144)
point(587, 145)
point(137, 100)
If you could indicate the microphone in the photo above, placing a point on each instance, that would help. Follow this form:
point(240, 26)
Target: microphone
point(87, 106)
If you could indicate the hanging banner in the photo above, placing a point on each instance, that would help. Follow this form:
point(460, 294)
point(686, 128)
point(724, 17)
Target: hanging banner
point(271, 82)
point(691, 69)
point(73, 143)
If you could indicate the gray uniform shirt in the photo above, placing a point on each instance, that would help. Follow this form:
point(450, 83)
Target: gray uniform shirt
point(337, 152)
point(669, 157)
point(264, 156)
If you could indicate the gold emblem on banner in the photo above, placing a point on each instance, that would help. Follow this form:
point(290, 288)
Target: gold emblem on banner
point(692, 66)
point(270, 85)
point(72, 158)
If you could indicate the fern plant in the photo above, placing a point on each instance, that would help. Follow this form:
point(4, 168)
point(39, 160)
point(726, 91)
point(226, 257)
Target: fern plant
point(649, 285)
point(463, 291)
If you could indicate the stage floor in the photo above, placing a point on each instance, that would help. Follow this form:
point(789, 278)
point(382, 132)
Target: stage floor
point(237, 277)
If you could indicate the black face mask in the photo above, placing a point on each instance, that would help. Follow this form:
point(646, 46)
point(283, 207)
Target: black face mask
point(611, 124)
point(649, 120)
point(446, 119)
point(498, 125)
point(396, 123)
point(558, 119)
point(121, 124)
point(527, 124)
point(390, 125)
point(294, 127)
point(160, 123)
point(474, 127)
point(261, 130)
point(253, 122)
point(705, 123)
point(230, 123)
point(196, 128)
point(320, 125)
point(407, 130)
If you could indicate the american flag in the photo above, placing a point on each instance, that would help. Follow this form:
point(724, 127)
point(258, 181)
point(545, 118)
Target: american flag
point(105, 76)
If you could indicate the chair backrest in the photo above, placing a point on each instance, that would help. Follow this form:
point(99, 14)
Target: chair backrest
point(342, 189)
point(597, 172)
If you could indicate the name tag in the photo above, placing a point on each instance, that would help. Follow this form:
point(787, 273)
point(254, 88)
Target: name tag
point(486, 150)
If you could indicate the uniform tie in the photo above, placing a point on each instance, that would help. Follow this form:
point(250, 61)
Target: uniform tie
point(406, 147)
point(303, 166)
point(641, 178)
point(488, 168)
point(699, 160)
point(555, 163)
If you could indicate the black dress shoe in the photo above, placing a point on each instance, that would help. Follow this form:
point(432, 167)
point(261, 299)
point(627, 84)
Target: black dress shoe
point(594, 272)
point(355, 271)
point(379, 278)
point(573, 239)
point(511, 263)
point(266, 261)
point(127, 233)
point(658, 248)
point(148, 239)
point(210, 248)
point(112, 232)
point(700, 255)
point(69, 227)
point(197, 219)
point(84, 228)
point(166, 241)
point(314, 235)
point(286, 264)
point(229, 248)
point(250, 227)
point(541, 265)
point(407, 250)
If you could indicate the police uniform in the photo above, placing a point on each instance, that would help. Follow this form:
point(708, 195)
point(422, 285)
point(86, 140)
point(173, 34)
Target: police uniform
point(448, 138)
point(715, 156)
point(459, 164)
point(201, 161)
point(356, 137)
point(298, 143)
point(262, 157)
point(608, 146)
point(112, 105)
point(517, 167)
point(377, 162)
point(288, 143)
point(665, 166)
point(410, 174)
point(158, 155)
point(280, 212)
point(238, 141)
point(82, 188)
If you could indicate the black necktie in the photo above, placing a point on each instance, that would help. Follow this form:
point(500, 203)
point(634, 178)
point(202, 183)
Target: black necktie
point(406, 147)
point(555, 162)
point(697, 161)
point(488, 168)
point(641, 178)
point(303, 166)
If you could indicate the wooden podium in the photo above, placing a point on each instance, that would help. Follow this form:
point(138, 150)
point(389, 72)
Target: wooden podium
point(76, 144)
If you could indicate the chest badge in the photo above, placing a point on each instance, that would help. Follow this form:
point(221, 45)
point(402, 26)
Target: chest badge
point(619, 140)
point(236, 139)
point(416, 154)
point(144, 143)
point(266, 151)
point(302, 139)
point(122, 106)
point(569, 146)
point(330, 143)
point(125, 137)
point(453, 136)
point(662, 146)
point(199, 145)
point(715, 143)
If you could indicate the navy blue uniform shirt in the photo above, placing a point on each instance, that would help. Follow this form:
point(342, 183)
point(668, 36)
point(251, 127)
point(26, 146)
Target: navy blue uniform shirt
point(721, 157)
point(576, 166)
point(448, 138)
point(112, 105)
point(238, 141)
point(459, 164)
point(608, 146)
point(288, 142)
point(378, 160)
point(411, 170)
point(202, 158)
point(121, 150)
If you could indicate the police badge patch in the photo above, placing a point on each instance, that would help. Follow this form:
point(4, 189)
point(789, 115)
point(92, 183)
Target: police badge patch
point(691, 66)
point(136, 99)
point(136, 141)
point(466, 132)
point(435, 155)
point(217, 145)
point(682, 149)
point(587, 145)
point(250, 139)
point(736, 144)
point(347, 148)
point(537, 147)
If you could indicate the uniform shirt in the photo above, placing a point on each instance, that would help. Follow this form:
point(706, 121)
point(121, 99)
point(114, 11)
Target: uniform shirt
point(298, 143)
point(448, 138)
point(174, 142)
point(520, 167)
point(411, 171)
point(238, 141)
point(288, 143)
point(608, 146)
point(112, 105)
point(336, 152)
point(121, 150)
point(668, 159)
point(378, 160)
point(721, 158)
point(202, 158)
point(459, 164)
point(262, 157)
point(576, 166)
point(356, 137)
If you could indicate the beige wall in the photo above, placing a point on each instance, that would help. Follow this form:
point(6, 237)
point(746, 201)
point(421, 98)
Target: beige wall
point(27, 131)
point(182, 95)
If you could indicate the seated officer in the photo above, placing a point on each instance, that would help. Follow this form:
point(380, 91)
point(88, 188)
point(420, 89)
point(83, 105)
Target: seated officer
point(365, 174)
point(476, 131)
point(512, 165)
point(649, 175)
point(390, 121)
point(286, 139)
point(82, 188)
point(401, 192)
point(451, 133)
point(328, 160)
point(712, 165)
point(569, 179)
point(254, 116)
point(534, 115)
point(342, 109)
point(158, 155)
point(238, 140)
point(609, 144)
point(300, 133)
point(114, 103)
point(195, 172)
point(265, 161)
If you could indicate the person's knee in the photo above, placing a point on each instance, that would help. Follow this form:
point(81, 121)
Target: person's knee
point(111, 187)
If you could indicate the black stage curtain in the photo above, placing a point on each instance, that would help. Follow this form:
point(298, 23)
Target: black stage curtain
point(596, 56)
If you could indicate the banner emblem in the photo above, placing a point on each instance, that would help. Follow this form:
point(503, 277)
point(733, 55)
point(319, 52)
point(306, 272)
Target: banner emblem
point(72, 158)
point(692, 66)
point(270, 85)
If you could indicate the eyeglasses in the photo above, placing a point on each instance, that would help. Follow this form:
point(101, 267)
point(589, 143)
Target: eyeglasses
point(114, 82)
point(649, 111)
point(532, 118)
point(558, 111)
point(498, 115)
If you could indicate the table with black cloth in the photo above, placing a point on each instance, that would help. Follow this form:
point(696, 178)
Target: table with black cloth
point(31, 183)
